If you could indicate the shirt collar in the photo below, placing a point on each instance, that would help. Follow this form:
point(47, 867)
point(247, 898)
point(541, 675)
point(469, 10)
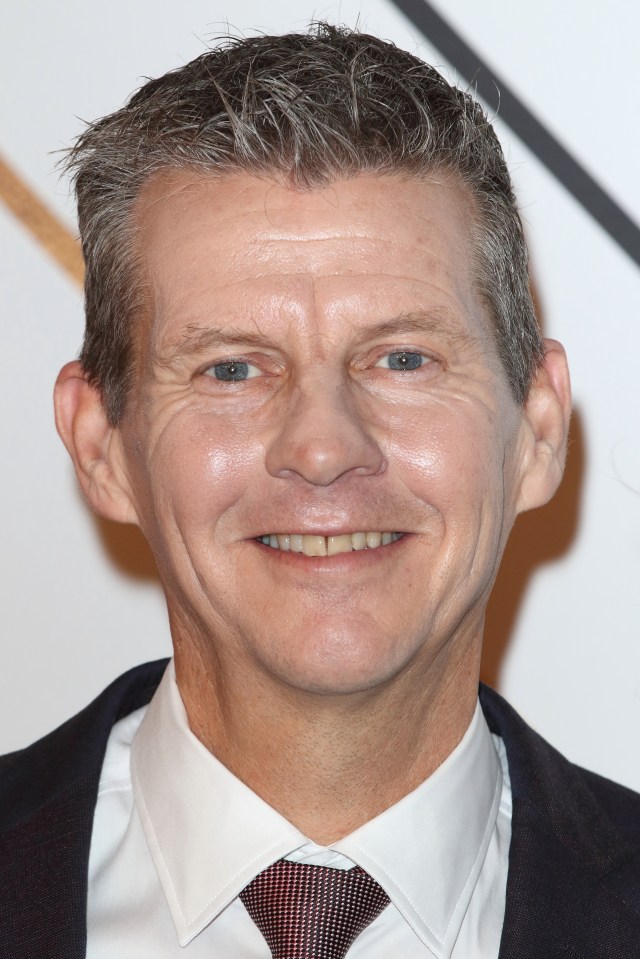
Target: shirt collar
point(428, 849)
point(209, 835)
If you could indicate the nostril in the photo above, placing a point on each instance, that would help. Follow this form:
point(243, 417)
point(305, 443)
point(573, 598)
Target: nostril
point(365, 471)
point(323, 461)
point(321, 439)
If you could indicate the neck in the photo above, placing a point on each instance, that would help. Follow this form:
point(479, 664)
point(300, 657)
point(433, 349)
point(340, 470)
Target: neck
point(329, 763)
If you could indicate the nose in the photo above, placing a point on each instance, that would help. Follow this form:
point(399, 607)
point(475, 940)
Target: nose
point(323, 437)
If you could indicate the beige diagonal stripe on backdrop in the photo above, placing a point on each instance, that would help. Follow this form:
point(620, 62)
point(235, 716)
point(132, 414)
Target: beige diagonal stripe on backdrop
point(43, 225)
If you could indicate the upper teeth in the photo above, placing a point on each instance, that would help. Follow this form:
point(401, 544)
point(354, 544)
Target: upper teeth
point(327, 545)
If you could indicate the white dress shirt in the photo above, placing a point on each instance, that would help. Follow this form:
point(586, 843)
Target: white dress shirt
point(177, 836)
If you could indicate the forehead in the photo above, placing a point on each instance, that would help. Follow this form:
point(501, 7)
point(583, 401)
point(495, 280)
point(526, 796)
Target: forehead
point(355, 251)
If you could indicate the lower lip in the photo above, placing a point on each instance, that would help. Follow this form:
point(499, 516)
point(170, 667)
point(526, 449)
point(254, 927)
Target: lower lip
point(355, 559)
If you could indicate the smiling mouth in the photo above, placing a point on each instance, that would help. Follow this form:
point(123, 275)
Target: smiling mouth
point(327, 545)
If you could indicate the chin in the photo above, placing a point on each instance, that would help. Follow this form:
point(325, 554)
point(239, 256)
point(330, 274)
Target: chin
point(327, 670)
point(334, 684)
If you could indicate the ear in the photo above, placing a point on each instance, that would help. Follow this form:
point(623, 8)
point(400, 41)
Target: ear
point(547, 413)
point(93, 444)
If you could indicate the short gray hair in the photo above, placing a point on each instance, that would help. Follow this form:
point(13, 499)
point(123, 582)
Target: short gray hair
point(309, 109)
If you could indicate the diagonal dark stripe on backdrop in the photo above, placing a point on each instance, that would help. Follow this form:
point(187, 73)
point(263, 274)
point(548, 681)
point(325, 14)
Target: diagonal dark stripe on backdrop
point(497, 95)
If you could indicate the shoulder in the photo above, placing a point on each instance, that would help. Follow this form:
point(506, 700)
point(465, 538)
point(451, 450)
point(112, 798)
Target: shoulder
point(541, 774)
point(74, 751)
point(574, 858)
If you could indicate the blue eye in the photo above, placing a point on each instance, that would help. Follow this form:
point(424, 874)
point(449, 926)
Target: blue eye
point(402, 360)
point(233, 371)
point(230, 371)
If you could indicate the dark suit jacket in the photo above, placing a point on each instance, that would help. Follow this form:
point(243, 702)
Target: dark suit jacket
point(573, 888)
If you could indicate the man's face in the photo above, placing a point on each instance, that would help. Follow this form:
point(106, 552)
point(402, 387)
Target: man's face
point(318, 373)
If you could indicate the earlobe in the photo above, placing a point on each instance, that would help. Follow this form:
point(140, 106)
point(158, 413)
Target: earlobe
point(93, 444)
point(546, 422)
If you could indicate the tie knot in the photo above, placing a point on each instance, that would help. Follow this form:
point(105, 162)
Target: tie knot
point(312, 912)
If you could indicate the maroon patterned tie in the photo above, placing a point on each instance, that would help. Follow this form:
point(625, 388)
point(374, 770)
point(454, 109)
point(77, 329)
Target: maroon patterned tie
point(312, 912)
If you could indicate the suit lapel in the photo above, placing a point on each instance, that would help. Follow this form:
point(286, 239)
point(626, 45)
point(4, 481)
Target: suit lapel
point(573, 888)
point(48, 794)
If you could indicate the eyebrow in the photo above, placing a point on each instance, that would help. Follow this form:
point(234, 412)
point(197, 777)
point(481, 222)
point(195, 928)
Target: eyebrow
point(439, 323)
point(196, 339)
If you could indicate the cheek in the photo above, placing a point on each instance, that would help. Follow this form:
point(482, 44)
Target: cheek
point(453, 463)
point(200, 468)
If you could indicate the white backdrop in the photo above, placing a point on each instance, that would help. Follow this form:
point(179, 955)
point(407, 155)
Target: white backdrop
point(80, 602)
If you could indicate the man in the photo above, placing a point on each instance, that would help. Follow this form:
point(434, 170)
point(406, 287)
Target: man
point(313, 377)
